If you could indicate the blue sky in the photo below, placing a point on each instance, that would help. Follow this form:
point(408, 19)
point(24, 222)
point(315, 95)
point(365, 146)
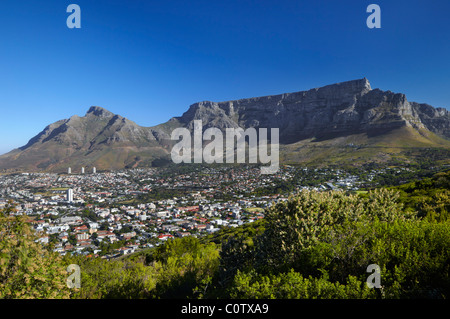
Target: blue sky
point(150, 60)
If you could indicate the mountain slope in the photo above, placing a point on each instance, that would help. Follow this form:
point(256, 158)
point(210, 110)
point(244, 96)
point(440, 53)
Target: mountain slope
point(343, 122)
point(334, 110)
point(100, 138)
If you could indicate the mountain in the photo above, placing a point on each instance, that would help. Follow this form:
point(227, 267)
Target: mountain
point(342, 122)
point(334, 110)
point(100, 138)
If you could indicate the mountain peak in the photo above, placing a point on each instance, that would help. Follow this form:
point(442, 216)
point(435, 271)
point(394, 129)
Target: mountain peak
point(359, 85)
point(99, 111)
point(366, 84)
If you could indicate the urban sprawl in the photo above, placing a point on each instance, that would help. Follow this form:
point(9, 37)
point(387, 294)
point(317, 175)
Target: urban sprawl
point(109, 214)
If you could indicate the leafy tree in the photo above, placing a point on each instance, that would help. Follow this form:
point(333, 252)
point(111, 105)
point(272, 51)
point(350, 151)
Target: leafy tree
point(435, 207)
point(104, 226)
point(27, 269)
point(296, 225)
point(187, 267)
point(125, 229)
point(327, 240)
point(237, 254)
point(72, 239)
point(101, 278)
point(292, 285)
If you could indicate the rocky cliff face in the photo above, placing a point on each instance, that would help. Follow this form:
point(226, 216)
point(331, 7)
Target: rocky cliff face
point(110, 141)
point(435, 119)
point(333, 110)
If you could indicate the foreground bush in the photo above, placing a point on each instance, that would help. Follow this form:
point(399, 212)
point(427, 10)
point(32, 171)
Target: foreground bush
point(331, 238)
point(180, 268)
point(292, 285)
point(27, 269)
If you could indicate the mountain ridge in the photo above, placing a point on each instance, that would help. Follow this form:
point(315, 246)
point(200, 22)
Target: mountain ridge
point(332, 114)
point(342, 104)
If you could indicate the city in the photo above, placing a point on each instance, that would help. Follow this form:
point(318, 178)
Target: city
point(109, 214)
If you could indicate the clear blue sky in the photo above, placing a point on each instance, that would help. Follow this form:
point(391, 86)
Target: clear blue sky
point(149, 60)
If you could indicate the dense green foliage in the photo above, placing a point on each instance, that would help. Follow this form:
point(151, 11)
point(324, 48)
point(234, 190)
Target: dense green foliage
point(314, 245)
point(429, 197)
point(325, 241)
point(292, 285)
point(28, 270)
point(179, 269)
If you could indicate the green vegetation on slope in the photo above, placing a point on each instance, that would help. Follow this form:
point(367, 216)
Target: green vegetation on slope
point(27, 270)
point(429, 197)
point(405, 145)
point(315, 245)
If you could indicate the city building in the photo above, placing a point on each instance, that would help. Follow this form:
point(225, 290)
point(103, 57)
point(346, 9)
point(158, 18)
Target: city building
point(69, 195)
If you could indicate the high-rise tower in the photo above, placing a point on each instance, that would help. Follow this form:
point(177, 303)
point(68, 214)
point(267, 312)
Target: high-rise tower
point(69, 195)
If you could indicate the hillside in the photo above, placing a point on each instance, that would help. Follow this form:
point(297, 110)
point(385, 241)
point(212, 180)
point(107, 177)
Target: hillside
point(342, 123)
point(99, 139)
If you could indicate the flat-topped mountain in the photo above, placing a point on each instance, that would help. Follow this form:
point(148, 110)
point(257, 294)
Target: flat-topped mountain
point(334, 110)
point(345, 121)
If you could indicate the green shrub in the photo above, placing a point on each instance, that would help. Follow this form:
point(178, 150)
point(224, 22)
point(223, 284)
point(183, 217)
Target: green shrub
point(292, 285)
point(27, 269)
